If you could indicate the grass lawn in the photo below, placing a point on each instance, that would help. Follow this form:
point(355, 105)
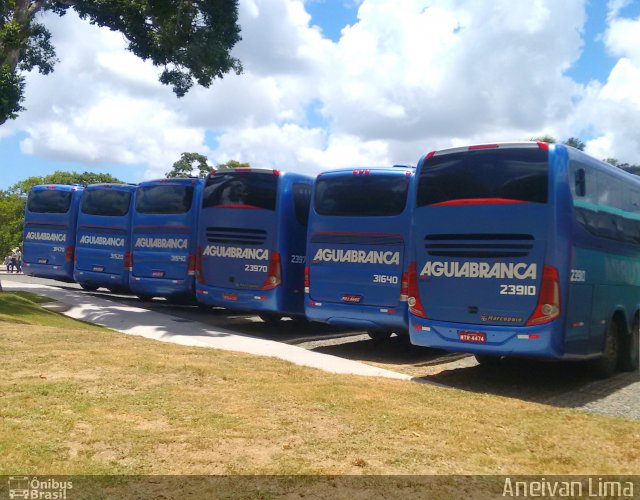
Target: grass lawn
point(79, 399)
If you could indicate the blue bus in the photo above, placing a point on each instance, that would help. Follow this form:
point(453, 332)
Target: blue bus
point(50, 231)
point(164, 238)
point(252, 236)
point(526, 250)
point(103, 239)
point(356, 249)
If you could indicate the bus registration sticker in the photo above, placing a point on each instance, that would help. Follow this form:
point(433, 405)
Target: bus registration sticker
point(478, 337)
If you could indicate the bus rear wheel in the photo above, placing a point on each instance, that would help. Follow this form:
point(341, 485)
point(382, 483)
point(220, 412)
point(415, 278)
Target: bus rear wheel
point(605, 366)
point(88, 288)
point(630, 351)
point(379, 335)
point(270, 318)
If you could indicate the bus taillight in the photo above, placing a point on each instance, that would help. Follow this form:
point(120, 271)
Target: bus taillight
point(404, 289)
point(413, 301)
point(68, 254)
point(198, 263)
point(191, 265)
point(307, 281)
point(548, 307)
point(274, 278)
point(128, 261)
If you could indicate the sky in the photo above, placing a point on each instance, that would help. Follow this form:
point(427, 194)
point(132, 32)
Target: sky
point(341, 83)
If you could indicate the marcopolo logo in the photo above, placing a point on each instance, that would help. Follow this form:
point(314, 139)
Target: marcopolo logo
point(498, 270)
point(236, 252)
point(38, 236)
point(172, 243)
point(357, 256)
point(102, 240)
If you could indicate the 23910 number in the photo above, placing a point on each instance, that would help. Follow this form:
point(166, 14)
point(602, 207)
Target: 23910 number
point(517, 290)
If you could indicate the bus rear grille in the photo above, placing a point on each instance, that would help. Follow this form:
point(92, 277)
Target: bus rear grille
point(487, 246)
point(236, 236)
point(358, 239)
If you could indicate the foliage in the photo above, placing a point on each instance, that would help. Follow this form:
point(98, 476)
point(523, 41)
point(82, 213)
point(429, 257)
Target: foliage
point(191, 41)
point(11, 222)
point(544, 138)
point(184, 166)
point(574, 142)
point(232, 164)
point(62, 177)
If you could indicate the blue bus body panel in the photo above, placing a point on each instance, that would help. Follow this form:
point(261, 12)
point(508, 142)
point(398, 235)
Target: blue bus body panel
point(164, 246)
point(49, 238)
point(356, 265)
point(236, 245)
point(103, 243)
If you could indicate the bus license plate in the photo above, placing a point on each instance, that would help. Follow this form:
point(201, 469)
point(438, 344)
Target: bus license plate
point(43, 261)
point(157, 274)
point(98, 269)
point(479, 337)
point(230, 296)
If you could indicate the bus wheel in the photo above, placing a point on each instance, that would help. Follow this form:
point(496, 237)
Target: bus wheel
point(605, 366)
point(630, 349)
point(270, 318)
point(379, 335)
point(145, 298)
point(89, 288)
point(485, 360)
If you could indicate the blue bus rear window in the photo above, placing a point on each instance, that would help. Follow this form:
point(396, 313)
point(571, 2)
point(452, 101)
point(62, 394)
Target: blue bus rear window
point(50, 201)
point(519, 174)
point(164, 199)
point(361, 195)
point(248, 189)
point(109, 202)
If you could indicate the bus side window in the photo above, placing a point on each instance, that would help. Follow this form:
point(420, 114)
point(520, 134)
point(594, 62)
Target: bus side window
point(301, 202)
point(581, 182)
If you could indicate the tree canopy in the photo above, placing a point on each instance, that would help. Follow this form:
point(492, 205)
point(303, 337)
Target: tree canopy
point(62, 177)
point(188, 161)
point(190, 40)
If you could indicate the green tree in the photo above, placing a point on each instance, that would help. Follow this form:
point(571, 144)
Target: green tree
point(544, 138)
point(574, 142)
point(62, 177)
point(184, 166)
point(11, 222)
point(190, 40)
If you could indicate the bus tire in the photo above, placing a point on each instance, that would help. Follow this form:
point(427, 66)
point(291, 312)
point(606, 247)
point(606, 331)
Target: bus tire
point(605, 366)
point(144, 298)
point(379, 335)
point(89, 288)
point(270, 318)
point(630, 349)
point(486, 360)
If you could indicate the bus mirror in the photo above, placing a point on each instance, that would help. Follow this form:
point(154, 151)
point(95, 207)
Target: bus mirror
point(581, 183)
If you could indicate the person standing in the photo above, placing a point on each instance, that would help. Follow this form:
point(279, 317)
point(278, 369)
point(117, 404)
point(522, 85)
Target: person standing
point(18, 261)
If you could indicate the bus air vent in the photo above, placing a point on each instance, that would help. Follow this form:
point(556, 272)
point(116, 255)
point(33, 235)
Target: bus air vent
point(487, 246)
point(236, 236)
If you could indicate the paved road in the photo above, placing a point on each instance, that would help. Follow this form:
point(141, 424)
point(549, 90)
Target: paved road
point(557, 384)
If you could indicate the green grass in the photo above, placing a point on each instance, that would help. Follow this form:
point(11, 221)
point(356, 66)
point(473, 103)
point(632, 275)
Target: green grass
point(24, 308)
point(82, 401)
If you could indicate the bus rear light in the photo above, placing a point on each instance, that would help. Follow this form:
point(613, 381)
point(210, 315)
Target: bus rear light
point(388, 311)
point(198, 269)
point(361, 171)
point(422, 328)
point(531, 336)
point(482, 146)
point(276, 171)
point(548, 307)
point(69, 254)
point(543, 145)
point(413, 301)
point(307, 282)
point(191, 266)
point(128, 261)
point(431, 154)
point(274, 278)
point(315, 304)
point(404, 289)
point(259, 297)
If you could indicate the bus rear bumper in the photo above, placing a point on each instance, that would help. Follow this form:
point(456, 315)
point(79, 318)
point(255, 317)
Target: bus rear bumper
point(526, 341)
point(106, 280)
point(366, 317)
point(239, 300)
point(161, 287)
point(61, 273)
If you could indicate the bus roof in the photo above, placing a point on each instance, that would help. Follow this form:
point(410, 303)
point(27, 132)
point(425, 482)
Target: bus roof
point(246, 169)
point(393, 170)
point(495, 145)
point(110, 185)
point(60, 187)
point(173, 180)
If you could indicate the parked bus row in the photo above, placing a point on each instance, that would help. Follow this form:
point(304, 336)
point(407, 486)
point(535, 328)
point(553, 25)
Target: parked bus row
point(510, 249)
